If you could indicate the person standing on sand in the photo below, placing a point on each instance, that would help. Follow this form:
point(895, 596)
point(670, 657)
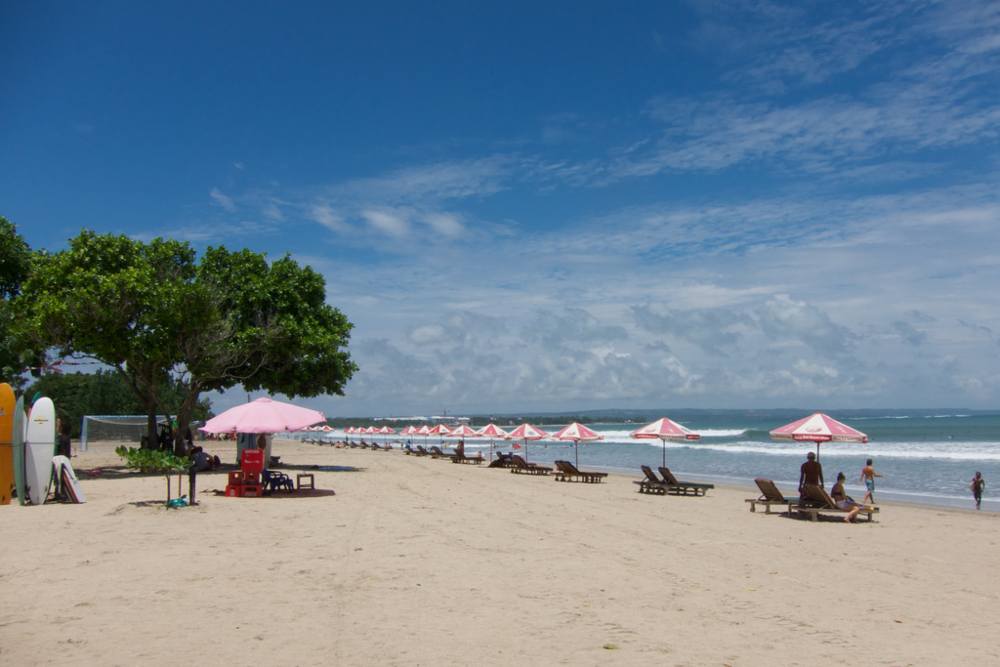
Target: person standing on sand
point(868, 476)
point(811, 472)
point(977, 485)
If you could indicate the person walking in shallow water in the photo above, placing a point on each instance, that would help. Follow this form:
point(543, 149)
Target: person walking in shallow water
point(868, 476)
point(977, 485)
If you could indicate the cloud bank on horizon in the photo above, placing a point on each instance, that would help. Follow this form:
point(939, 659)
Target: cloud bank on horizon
point(747, 204)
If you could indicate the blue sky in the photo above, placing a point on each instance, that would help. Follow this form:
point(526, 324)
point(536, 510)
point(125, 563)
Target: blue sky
point(553, 205)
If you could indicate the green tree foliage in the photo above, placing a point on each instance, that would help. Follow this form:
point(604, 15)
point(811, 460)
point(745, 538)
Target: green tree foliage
point(152, 312)
point(118, 300)
point(15, 265)
point(107, 393)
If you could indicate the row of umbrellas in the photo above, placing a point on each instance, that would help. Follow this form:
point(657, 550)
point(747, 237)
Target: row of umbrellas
point(265, 415)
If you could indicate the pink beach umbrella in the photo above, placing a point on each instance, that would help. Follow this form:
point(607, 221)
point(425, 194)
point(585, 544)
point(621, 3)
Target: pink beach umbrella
point(818, 428)
point(463, 431)
point(263, 416)
point(386, 431)
point(577, 433)
point(491, 431)
point(425, 431)
point(665, 429)
point(527, 432)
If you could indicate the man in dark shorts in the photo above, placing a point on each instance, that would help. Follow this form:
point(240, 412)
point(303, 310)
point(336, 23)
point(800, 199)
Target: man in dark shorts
point(811, 472)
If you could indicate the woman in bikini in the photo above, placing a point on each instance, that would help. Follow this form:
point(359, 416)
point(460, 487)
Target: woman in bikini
point(843, 501)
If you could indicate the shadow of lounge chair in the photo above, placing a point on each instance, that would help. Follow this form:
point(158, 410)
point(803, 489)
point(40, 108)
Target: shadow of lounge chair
point(651, 483)
point(680, 488)
point(770, 495)
point(522, 467)
point(819, 501)
point(567, 472)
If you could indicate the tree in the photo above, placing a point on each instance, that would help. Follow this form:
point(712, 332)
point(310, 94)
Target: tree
point(118, 300)
point(264, 326)
point(15, 265)
point(151, 312)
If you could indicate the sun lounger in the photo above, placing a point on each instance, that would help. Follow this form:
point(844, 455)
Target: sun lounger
point(816, 500)
point(680, 488)
point(376, 446)
point(502, 461)
point(567, 472)
point(420, 451)
point(520, 466)
point(438, 453)
point(770, 495)
point(477, 459)
point(651, 483)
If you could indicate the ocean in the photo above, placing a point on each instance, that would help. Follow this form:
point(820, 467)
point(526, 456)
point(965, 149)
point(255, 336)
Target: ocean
point(925, 456)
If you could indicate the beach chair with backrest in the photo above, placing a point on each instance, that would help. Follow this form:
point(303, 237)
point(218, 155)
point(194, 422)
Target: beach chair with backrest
point(502, 461)
point(438, 453)
point(567, 472)
point(520, 466)
point(770, 495)
point(274, 480)
point(821, 502)
point(650, 483)
point(477, 459)
point(680, 488)
point(420, 451)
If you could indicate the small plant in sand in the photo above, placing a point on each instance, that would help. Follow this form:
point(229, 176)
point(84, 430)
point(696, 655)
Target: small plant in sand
point(153, 461)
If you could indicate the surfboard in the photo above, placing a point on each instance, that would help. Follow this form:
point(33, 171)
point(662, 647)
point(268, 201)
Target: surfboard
point(20, 426)
point(66, 478)
point(7, 403)
point(40, 445)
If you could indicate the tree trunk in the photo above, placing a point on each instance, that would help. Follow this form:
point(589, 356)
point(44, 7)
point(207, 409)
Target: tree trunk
point(152, 437)
point(184, 417)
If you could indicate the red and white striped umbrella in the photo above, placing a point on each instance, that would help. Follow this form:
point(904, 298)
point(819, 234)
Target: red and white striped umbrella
point(665, 429)
point(409, 430)
point(463, 431)
point(491, 431)
point(577, 432)
point(439, 430)
point(386, 431)
point(818, 428)
point(527, 432)
point(326, 428)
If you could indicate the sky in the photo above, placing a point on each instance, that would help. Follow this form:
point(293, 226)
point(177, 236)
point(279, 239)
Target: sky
point(552, 206)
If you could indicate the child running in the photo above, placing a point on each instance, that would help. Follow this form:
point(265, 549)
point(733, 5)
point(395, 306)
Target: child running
point(868, 476)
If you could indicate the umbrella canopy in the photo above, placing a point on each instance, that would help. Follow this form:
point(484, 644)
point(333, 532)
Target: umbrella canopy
point(263, 416)
point(818, 428)
point(527, 432)
point(424, 430)
point(326, 428)
point(665, 429)
point(409, 430)
point(387, 431)
point(491, 431)
point(463, 431)
point(577, 432)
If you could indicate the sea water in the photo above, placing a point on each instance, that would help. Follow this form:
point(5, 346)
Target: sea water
point(924, 456)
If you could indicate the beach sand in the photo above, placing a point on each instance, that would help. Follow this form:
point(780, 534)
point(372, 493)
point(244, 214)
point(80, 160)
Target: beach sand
point(422, 562)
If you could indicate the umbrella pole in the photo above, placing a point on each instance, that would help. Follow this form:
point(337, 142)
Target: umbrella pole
point(525, 450)
point(663, 441)
point(576, 452)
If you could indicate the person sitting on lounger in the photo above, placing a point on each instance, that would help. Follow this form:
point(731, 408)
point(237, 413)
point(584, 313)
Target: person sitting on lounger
point(811, 472)
point(844, 501)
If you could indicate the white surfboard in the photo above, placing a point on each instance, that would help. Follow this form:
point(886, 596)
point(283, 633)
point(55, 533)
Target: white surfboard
point(39, 446)
point(66, 479)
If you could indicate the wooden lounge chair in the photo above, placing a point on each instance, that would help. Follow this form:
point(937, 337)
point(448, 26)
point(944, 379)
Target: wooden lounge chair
point(770, 495)
point(819, 501)
point(651, 483)
point(520, 466)
point(567, 472)
point(438, 453)
point(680, 488)
point(502, 461)
point(420, 451)
point(477, 459)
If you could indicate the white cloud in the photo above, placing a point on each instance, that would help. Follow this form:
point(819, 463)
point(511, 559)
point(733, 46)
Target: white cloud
point(448, 225)
point(326, 216)
point(391, 223)
point(223, 200)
